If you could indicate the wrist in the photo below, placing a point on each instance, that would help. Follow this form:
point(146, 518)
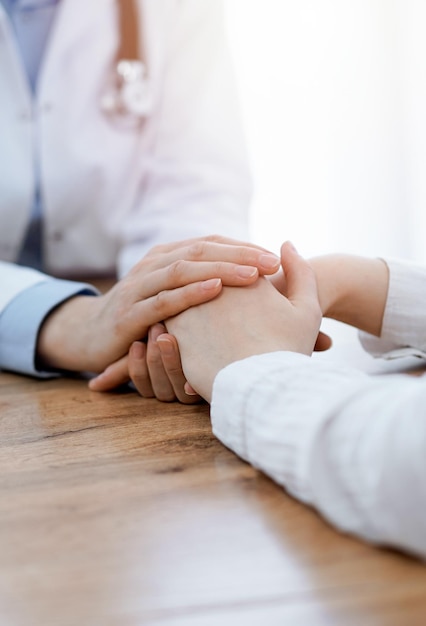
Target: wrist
point(63, 340)
point(332, 287)
point(352, 290)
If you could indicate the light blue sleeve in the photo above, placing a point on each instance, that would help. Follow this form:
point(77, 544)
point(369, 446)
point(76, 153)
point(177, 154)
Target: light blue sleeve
point(21, 321)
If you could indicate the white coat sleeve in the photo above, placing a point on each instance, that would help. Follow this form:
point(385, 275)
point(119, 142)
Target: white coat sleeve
point(349, 444)
point(195, 179)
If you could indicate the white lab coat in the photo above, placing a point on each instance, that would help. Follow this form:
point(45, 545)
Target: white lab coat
point(111, 192)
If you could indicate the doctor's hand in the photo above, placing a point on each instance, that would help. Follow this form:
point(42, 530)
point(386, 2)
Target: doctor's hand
point(89, 333)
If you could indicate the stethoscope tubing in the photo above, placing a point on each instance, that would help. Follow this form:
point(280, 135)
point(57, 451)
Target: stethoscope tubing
point(130, 95)
point(131, 47)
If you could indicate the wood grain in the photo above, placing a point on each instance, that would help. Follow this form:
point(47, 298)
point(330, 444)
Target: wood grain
point(120, 511)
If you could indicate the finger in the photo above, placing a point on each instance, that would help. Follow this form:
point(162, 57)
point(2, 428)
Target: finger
point(172, 364)
point(169, 247)
point(181, 273)
point(266, 262)
point(300, 278)
point(207, 251)
point(279, 282)
point(323, 342)
point(140, 316)
point(190, 391)
point(163, 388)
point(138, 369)
point(113, 376)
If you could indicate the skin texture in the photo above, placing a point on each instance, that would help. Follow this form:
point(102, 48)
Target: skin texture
point(347, 288)
point(246, 322)
point(157, 370)
point(351, 289)
point(89, 333)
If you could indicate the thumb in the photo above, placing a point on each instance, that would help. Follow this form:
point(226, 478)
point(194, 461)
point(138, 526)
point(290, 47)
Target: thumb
point(323, 342)
point(113, 376)
point(300, 278)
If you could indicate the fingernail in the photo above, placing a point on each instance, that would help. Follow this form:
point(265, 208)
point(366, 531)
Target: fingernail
point(165, 345)
point(244, 271)
point(189, 390)
point(212, 283)
point(269, 261)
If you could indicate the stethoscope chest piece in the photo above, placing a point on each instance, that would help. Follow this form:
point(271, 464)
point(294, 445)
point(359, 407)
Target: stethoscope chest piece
point(132, 93)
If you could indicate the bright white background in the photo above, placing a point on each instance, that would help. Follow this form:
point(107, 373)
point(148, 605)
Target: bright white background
point(334, 101)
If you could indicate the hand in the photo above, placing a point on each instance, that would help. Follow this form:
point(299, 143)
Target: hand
point(351, 289)
point(155, 368)
point(243, 322)
point(89, 333)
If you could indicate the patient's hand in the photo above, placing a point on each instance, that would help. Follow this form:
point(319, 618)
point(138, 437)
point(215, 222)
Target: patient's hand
point(243, 322)
point(351, 289)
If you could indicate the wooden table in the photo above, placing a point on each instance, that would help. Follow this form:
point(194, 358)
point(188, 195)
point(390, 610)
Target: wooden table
point(116, 510)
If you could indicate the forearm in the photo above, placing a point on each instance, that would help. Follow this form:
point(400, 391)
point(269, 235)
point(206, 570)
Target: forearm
point(349, 444)
point(353, 290)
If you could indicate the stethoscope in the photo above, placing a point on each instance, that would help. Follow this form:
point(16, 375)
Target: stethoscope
point(129, 96)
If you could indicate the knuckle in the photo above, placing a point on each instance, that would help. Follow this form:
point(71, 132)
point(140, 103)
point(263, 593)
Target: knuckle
point(145, 393)
point(197, 250)
point(153, 359)
point(140, 377)
point(174, 370)
point(219, 268)
point(215, 238)
point(176, 270)
point(141, 380)
point(166, 396)
point(158, 249)
point(160, 302)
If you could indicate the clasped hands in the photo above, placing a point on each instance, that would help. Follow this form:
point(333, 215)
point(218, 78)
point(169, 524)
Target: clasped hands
point(210, 321)
point(201, 335)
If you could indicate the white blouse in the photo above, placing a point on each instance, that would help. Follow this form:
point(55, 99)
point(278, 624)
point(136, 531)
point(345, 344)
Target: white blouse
point(350, 444)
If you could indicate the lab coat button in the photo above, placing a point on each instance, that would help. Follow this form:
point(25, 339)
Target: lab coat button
point(57, 236)
point(46, 107)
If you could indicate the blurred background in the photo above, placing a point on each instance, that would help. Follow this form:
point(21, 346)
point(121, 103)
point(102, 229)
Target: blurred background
point(334, 101)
